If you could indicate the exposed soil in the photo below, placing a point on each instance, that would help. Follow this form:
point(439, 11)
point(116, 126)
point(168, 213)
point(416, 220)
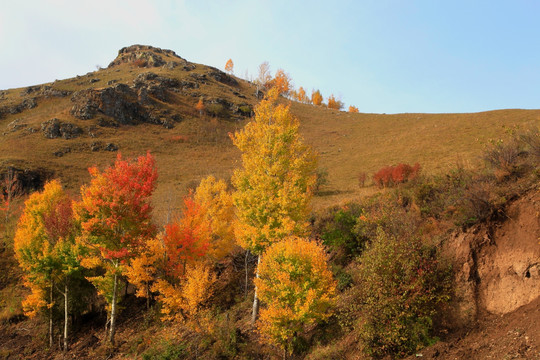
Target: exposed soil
point(510, 336)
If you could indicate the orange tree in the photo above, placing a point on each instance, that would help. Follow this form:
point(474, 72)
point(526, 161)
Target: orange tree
point(297, 288)
point(229, 66)
point(274, 185)
point(334, 103)
point(179, 262)
point(115, 216)
point(281, 82)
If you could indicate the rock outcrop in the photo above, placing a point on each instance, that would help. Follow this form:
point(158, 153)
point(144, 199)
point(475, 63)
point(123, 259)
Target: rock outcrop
point(55, 128)
point(147, 56)
point(119, 102)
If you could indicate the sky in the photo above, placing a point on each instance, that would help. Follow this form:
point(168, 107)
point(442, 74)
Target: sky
point(382, 56)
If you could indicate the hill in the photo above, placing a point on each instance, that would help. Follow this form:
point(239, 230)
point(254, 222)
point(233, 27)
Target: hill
point(145, 100)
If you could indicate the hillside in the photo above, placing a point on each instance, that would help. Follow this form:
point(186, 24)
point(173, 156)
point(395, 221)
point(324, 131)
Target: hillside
point(473, 226)
point(145, 100)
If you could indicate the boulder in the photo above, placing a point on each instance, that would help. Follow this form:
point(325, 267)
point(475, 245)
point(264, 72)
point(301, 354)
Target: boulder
point(54, 128)
point(221, 77)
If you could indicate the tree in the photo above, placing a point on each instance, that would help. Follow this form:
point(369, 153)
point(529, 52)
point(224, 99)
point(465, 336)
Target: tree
point(301, 95)
point(334, 103)
point(353, 109)
point(217, 210)
point(200, 106)
point(187, 278)
point(229, 66)
point(281, 82)
point(274, 185)
point(263, 77)
point(178, 263)
point(115, 216)
point(297, 288)
point(45, 248)
point(9, 190)
point(316, 97)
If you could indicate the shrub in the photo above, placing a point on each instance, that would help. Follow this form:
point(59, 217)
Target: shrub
point(392, 175)
point(531, 140)
point(337, 229)
point(403, 284)
point(140, 63)
point(503, 157)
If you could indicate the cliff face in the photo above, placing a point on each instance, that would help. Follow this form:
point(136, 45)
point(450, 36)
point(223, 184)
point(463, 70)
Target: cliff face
point(497, 265)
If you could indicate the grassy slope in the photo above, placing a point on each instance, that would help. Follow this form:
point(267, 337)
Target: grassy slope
point(348, 143)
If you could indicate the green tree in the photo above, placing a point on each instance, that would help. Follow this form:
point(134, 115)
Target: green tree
point(403, 284)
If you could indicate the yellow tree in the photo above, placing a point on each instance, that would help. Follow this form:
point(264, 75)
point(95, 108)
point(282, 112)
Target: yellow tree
point(297, 288)
point(229, 66)
point(316, 97)
point(274, 185)
point(45, 248)
point(217, 210)
point(353, 109)
point(334, 103)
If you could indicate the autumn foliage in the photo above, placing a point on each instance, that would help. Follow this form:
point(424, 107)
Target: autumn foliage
point(316, 97)
point(229, 66)
point(392, 175)
point(353, 109)
point(45, 247)
point(115, 217)
point(274, 185)
point(297, 287)
point(334, 103)
point(200, 106)
point(281, 82)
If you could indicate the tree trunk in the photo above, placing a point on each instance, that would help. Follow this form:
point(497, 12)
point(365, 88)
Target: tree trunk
point(147, 295)
point(113, 310)
point(51, 299)
point(246, 268)
point(66, 316)
point(255, 312)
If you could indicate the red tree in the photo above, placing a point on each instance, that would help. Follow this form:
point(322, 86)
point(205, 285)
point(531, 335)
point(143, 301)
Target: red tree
point(115, 216)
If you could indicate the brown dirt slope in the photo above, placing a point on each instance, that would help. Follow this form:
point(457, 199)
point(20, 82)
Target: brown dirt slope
point(496, 310)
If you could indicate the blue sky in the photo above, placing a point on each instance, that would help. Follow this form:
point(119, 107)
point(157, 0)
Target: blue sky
point(383, 56)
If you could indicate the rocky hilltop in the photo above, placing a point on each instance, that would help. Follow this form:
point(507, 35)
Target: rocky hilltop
point(143, 85)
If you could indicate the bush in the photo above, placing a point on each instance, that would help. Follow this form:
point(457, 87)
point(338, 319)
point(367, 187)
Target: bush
point(337, 229)
point(392, 175)
point(403, 284)
point(503, 157)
